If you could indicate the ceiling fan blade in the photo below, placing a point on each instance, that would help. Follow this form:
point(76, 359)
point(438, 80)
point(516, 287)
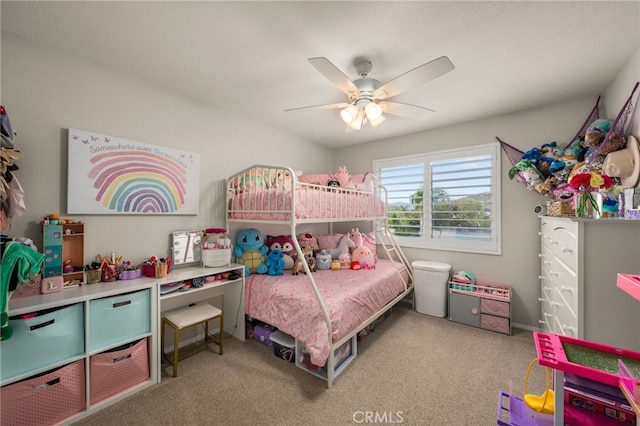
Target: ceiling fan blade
point(335, 76)
point(406, 110)
point(328, 106)
point(415, 77)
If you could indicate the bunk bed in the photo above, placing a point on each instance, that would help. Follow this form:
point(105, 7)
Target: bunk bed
point(322, 310)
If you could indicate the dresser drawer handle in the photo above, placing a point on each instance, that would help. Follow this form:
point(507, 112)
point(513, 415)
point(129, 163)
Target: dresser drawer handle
point(567, 289)
point(567, 250)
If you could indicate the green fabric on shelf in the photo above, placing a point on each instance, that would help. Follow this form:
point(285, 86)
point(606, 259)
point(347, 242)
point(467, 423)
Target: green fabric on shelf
point(24, 262)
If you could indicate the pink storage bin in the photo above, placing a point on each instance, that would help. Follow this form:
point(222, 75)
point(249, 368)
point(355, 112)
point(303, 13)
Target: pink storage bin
point(118, 370)
point(48, 399)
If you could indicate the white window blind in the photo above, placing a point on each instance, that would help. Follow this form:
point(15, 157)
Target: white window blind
point(448, 200)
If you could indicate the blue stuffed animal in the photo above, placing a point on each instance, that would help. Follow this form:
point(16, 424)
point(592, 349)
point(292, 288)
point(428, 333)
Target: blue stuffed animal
point(275, 262)
point(251, 252)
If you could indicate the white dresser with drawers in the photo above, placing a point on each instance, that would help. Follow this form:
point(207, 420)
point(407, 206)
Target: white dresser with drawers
point(579, 263)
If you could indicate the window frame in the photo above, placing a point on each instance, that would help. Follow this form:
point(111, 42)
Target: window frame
point(491, 247)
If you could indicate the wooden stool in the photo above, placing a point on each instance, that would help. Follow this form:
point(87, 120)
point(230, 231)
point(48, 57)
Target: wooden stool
point(185, 318)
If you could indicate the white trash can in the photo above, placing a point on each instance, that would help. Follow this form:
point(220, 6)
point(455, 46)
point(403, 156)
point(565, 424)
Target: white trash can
point(431, 281)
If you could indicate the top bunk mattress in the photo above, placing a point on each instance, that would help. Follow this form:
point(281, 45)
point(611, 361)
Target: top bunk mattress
point(274, 193)
point(306, 202)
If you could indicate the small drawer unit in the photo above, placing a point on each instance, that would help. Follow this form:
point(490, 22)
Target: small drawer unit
point(118, 369)
point(117, 318)
point(484, 305)
point(42, 339)
point(49, 398)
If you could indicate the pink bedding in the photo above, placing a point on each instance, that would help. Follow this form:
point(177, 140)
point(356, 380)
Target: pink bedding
point(288, 302)
point(311, 203)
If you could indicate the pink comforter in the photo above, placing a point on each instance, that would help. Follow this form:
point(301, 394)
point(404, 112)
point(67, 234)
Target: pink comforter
point(288, 302)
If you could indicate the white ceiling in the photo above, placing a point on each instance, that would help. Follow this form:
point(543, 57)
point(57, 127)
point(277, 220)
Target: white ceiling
point(250, 58)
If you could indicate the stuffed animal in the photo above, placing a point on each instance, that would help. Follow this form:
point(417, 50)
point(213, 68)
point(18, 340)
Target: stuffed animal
point(275, 262)
point(282, 179)
point(335, 265)
point(344, 179)
point(323, 260)
point(251, 252)
point(368, 183)
point(356, 236)
point(527, 173)
point(308, 240)
point(283, 243)
point(369, 265)
point(307, 257)
point(595, 132)
point(355, 265)
point(362, 254)
point(344, 244)
point(345, 259)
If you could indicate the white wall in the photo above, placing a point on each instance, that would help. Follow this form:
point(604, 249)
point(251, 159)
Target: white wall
point(46, 92)
point(519, 264)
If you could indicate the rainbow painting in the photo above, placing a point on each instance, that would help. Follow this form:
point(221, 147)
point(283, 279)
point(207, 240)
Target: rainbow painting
point(109, 175)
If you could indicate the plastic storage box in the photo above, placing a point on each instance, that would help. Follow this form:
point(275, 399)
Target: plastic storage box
point(118, 369)
point(284, 346)
point(47, 399)
point(118, 318)
point(344, 355)
point(43, 340)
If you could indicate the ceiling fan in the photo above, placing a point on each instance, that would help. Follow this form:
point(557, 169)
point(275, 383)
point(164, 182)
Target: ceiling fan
point(368, 96)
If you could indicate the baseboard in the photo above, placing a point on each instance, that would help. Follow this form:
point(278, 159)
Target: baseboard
point(525, 327)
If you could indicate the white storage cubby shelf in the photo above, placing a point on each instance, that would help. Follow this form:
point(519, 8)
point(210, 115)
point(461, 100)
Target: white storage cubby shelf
point(91, 346)
point(73, 330)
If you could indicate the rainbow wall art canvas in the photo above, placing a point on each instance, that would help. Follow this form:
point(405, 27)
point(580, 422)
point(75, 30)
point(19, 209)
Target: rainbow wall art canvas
point(110, 175)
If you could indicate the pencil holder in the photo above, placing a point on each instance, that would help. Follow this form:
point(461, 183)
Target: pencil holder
point(161, 270)
point(94, 276)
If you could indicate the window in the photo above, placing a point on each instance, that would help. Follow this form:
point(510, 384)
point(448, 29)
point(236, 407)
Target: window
point(446, 200)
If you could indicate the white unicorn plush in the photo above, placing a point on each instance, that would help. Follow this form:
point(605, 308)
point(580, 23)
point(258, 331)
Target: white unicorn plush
point(368, 183)
point(344, 244)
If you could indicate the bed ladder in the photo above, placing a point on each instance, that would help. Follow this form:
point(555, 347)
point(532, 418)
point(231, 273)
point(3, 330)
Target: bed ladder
point(388, 242)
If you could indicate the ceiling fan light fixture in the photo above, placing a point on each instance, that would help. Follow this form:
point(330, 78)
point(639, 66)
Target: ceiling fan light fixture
point(373, 111)
point(349, 114)
point(375, 123)
point(357, 121)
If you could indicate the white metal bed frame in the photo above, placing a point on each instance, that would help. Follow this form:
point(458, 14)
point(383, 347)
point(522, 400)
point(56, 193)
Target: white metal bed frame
point(269, 177)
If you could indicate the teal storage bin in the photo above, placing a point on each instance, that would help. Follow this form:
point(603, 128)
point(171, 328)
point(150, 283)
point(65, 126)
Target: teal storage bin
point(53, 235)
point(44, 340)
point(119, 318)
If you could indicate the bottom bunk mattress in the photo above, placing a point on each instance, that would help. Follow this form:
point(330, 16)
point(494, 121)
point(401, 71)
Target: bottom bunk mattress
point(351, 297)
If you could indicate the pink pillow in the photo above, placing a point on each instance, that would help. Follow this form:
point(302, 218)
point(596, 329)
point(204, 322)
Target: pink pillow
point(328, 241)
